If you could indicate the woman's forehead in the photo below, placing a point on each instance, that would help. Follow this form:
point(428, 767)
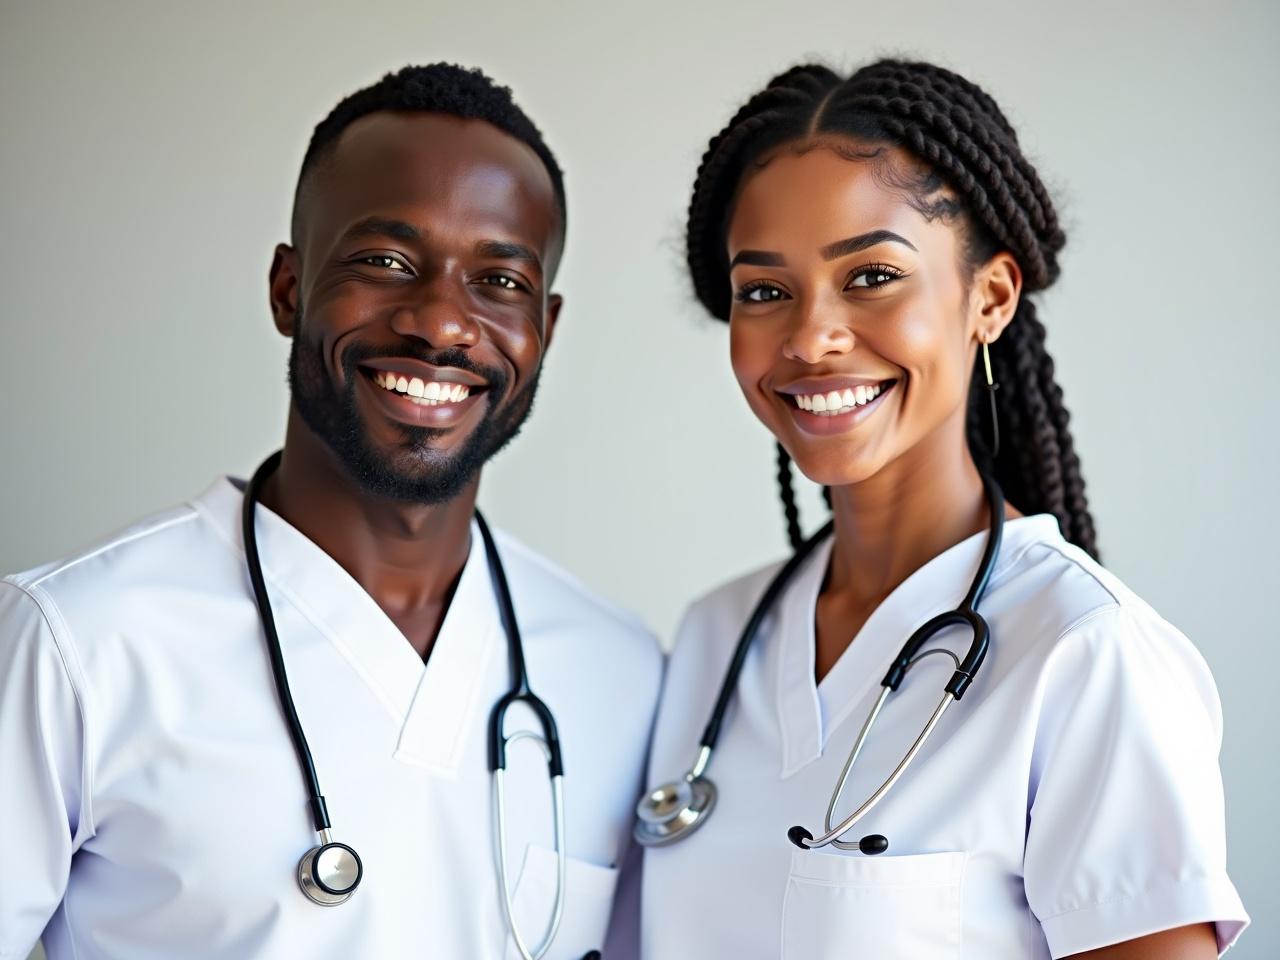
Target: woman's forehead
point(819, 193)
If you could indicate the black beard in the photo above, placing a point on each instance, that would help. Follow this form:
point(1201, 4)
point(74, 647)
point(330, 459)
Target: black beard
point(415, 472)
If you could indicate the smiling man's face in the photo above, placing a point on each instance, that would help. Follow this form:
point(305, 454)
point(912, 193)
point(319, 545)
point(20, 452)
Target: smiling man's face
point(417, 298)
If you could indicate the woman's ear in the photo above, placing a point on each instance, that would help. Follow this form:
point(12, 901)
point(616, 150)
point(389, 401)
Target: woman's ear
point(993, 296)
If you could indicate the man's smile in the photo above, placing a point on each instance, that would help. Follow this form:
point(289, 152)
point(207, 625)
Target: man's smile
point(440, 398)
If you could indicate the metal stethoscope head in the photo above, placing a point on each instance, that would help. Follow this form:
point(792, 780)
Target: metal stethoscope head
point(329, 873)
point(675, 810)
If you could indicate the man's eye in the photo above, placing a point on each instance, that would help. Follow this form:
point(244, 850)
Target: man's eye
point(386, 262)
point(760, 293)
point(500, 280)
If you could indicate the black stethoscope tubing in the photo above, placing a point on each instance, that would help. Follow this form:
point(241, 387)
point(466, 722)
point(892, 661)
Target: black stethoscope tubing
point(311, 875)
point(966, 614)
point(677, 808)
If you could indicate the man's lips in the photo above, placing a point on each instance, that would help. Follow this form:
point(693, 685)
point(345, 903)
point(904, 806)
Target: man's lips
point(435, 403)
point(426, 372)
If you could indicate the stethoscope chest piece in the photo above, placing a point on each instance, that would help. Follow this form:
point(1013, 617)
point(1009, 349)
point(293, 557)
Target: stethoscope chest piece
point(674, 810)
point(329, 874)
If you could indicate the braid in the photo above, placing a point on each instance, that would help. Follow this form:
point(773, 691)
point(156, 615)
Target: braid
point(788, 494)
point(782, 111)
point(957, 130)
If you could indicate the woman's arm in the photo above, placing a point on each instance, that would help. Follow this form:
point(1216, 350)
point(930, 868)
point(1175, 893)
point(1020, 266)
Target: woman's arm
point(1198, 942)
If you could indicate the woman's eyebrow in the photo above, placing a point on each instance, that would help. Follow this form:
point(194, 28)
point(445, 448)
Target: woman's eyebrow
point(758, 258)
point(842, 248)
point(832, 251)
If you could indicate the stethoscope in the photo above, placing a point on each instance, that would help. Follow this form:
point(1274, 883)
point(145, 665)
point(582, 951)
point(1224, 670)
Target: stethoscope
point(330, 872)
point(675, 810)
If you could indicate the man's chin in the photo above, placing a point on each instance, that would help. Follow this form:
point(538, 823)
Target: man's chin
point(425, 474)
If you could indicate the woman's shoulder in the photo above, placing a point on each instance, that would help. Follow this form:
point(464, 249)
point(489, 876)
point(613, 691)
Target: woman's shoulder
point(1059, 605)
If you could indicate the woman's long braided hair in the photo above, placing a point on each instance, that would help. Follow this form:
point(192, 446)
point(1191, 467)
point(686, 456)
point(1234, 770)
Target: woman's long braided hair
point(959, 134)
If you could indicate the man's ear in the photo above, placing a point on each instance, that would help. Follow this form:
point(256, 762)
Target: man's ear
point(554, 303)
point(282, 288)
point(994, 295)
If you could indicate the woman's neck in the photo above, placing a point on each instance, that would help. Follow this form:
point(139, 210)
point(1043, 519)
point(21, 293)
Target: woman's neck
point(889, 526)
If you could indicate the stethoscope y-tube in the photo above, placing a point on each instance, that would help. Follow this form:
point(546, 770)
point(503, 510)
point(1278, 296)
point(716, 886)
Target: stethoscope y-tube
point(674, 810)
point(520, 692)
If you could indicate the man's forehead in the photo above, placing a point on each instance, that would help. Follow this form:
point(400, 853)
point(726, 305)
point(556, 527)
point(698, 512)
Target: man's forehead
point(403, 159)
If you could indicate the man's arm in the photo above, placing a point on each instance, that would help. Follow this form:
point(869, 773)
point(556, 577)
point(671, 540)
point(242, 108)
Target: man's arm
point(43, 775)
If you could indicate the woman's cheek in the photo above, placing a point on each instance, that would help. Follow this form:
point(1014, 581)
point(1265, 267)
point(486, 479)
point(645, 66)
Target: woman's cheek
point(750, 360)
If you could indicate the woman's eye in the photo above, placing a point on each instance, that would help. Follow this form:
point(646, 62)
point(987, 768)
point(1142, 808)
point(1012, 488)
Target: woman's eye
point(873, 276)
point(386, 262)
point(761, 293)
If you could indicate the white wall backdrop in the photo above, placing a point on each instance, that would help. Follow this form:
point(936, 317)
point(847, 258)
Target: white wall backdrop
point(148, 155)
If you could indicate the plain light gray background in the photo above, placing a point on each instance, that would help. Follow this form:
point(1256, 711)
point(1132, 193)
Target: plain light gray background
point(149, 153)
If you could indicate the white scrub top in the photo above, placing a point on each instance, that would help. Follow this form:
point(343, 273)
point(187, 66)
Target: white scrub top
point(152, 804)
point(1070, 799)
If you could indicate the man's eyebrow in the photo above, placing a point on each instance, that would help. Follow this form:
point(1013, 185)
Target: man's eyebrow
point(508, 250)
point(382, 227)
point(842, 248)
point(758, 258)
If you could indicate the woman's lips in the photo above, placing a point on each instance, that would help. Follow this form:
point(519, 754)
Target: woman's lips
point(824, 413)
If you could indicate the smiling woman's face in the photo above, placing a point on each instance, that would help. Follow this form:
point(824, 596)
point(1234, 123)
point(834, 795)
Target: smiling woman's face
point(853, 325)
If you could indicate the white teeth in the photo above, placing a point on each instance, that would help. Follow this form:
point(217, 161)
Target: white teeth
point(423, 393)
point(838, 401)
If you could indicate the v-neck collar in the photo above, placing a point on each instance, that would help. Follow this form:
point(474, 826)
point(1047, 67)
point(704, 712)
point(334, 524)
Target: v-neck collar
point(807, 711)
point(432, 705)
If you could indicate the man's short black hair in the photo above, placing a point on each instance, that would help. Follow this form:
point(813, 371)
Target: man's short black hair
point(436, 88)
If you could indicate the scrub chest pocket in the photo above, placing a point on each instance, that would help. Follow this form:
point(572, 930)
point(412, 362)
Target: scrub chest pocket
point(588, 899)
point(890, 908)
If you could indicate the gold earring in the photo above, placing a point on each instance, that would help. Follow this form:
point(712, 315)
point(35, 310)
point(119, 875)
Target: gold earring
point(992, 387)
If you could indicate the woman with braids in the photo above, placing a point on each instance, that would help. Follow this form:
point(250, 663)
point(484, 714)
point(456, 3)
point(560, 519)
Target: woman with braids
point(873, 242)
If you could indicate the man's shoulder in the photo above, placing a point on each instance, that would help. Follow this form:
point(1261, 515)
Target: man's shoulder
point(170, 548)
point(125, 548)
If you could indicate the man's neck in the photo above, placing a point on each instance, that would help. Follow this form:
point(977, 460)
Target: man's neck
point(408, 557)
